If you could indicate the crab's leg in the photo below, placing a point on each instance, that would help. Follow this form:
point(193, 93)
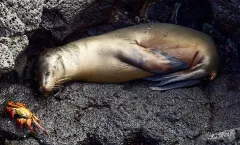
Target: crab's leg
point(21, 105)
point(12, 104)
point(36, 118)
point(39, 126)
point(29, 124)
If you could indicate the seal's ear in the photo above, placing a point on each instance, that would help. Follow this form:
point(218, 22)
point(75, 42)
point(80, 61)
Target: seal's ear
point(60, 62)
point(59, 59)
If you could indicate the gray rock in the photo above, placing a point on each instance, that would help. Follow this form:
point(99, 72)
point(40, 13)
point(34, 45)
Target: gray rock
point(115, 114)
point(6, 61)
point(62, 17)
point(227, 17)
point(129, 113)
point(227, 137)
point(10, 48)
point(224, 96)
point(18, 17)
point(82, 113)
point(23, 142)
point(225, 92)
point(15, 44)
point(10, 23)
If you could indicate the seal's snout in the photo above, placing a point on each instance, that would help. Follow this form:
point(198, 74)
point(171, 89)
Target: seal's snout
point(44, 90)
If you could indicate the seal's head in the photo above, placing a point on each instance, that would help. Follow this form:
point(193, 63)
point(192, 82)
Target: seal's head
point(49, 72)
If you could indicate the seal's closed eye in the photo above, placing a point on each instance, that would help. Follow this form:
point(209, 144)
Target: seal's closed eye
point(47, 73)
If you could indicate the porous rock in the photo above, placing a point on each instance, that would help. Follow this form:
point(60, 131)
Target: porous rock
point(10, 48)
point(227, 137)
point(129, 113)
point(17, 17)
point(114, 114)
point(64, 16)
point(6, 61)
point(23, 142)
point(227, 17)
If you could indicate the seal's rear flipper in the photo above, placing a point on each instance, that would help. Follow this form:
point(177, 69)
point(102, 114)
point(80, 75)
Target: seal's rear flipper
point(179, 79)
point(175, 85)
point(183, 76)
point(158, 78)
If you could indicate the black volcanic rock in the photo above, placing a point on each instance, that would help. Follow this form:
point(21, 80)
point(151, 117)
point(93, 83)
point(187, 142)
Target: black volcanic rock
point(128, 113)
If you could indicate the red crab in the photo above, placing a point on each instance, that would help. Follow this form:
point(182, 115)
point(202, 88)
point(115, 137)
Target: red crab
point(23, 115)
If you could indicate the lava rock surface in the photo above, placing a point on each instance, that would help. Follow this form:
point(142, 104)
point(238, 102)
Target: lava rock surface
point(115, 114)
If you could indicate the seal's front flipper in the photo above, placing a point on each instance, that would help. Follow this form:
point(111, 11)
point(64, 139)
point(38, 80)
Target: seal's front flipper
point(175, 85)
point(176, 63)
point(151, 60)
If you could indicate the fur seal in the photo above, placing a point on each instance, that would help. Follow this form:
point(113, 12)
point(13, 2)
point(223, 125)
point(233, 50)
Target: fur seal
point(172, 56)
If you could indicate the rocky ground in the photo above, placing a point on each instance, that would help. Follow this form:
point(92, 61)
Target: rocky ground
point(129, 113)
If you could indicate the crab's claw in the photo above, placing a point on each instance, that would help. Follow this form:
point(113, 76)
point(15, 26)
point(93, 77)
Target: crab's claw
point(10, 111)
point(21, 121)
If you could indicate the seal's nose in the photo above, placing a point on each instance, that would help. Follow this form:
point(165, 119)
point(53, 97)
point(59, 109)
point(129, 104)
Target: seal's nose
point(43, 89)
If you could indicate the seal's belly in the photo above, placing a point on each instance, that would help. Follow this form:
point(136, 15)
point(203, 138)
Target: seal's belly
point(112, 70)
